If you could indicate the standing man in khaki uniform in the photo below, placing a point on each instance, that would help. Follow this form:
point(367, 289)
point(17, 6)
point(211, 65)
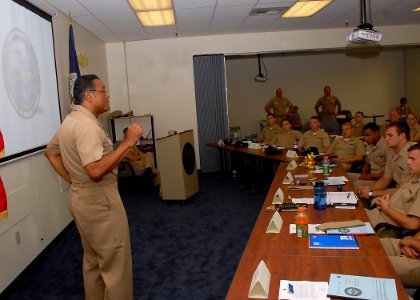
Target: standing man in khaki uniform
point(315, 137)
point(279, 106)
point(328, 103)
point(396, 169)
point(83, 155)
point(348, 148)
point(270, 132)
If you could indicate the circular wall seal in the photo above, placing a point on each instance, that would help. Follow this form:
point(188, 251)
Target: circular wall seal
point(21, 73)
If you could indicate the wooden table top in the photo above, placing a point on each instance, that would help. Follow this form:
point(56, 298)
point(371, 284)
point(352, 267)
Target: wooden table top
point(288, 257)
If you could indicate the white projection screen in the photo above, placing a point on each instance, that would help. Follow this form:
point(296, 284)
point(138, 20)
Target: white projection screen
point(29, 102)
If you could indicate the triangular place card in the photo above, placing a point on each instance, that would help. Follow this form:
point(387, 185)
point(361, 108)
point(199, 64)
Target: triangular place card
point(260, 284)
point(278, 197)
point(288, 179)
point(275, 223)
point(291, 154)
point(292, 165)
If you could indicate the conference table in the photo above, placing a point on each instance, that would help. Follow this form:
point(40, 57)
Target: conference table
point(290, 258)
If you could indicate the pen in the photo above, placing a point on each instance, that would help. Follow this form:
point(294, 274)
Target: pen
point(348, 195)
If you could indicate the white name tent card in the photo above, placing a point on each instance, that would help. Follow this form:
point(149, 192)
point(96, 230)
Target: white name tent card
point(292, 165)
point(260, 284)
point(291, 154)
point(288, 179)
point(275, 223)
point(278, 197)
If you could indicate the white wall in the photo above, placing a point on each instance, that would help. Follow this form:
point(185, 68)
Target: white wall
point(359, 83)
point(160, 72)
point(412, 76)
point(37, 201)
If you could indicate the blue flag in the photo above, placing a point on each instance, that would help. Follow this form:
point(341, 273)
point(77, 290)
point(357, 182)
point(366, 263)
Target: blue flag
point(74, 64)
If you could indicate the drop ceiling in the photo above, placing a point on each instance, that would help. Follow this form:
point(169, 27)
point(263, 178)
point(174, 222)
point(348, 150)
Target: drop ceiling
point(114, 21)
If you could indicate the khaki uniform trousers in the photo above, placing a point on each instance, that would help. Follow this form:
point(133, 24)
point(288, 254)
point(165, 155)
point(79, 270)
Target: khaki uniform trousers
point(102, 223)
point(408, 269)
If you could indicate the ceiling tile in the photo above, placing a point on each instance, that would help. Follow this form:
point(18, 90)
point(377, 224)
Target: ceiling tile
point(232, 13)
point(67, 6)
point(90, 22)
point(194, 15)
point(106, 6)
point(235, 2)
point(181, 4)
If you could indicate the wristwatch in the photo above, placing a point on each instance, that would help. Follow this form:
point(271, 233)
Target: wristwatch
point(370, 194)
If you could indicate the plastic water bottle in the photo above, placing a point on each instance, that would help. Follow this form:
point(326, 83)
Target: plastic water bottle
point(326, 170)
point(295, 146)
point(301, 220)
point(320, 195)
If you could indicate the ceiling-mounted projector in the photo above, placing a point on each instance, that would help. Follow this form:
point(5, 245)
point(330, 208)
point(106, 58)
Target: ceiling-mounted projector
point(364, 36)
point(364, 33)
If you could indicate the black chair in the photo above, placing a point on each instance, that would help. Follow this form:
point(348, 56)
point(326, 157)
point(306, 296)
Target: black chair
point(347, 117)
point(128, 179)
point(400, 232)
point(331, 127)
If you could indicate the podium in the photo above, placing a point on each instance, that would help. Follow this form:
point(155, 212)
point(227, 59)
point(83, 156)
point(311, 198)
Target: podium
point(177, 166)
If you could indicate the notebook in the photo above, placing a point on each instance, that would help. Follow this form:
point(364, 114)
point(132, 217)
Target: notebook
point(323, 241)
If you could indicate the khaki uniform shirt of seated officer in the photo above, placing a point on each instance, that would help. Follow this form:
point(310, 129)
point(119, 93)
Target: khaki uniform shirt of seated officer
point(396, 168)
point(142, 163)
point(404, 109)
point(279, 106)
point(347, 148)
point(404, 255)
point(328, 103)
point(375, 157)
point(289, 136)
point(315, 137)
point(414, 127)
point(83, 155)
point(359, 122)
point(403, 207)
point(270, 132)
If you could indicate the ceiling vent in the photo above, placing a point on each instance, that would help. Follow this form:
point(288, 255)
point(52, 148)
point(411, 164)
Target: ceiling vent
point(268, 11)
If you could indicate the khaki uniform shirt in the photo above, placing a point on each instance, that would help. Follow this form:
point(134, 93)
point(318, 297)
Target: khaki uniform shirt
point(406, 200)
point(269, 134)
point(347, 147)
point(404, 111)
point(287, 138)
point(328, 107)
point(280, 106)
point(319, 139)
point(396, 165)
point(414, 131)
point(376, 156)
point(358, 130)
point(81, 140)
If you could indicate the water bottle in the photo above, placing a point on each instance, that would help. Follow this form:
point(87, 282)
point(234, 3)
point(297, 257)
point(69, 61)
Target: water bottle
point(320, 195)
point(295, 146)
point(301, 220)
point(326, 166)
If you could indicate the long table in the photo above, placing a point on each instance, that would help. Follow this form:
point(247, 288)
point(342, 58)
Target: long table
point(290, 258)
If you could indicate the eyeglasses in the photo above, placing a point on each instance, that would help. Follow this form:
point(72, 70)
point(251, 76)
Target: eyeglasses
point(103, 91)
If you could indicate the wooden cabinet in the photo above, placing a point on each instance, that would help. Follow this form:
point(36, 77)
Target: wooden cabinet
point(146, 142)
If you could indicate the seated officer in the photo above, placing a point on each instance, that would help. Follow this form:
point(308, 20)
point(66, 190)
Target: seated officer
point(270, 132)
point(374, 166)
point(288, 136)
point(404, 255)
point(403, 207)
point(142, 163)
point(396, 169)
point(414, 127)
point(359, 122)
point(315, 137)
point(394, 116)
point(348, 149)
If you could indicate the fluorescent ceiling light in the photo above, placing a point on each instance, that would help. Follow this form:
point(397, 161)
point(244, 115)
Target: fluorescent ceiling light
point(417, 9)
point(157, 18)
point(147, 5)
point(305, 8)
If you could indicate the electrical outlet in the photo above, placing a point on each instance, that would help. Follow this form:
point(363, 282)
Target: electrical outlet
point(17, 237)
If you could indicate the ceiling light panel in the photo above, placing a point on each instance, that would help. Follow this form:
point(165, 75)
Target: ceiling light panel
point(157, 18)
point(147, 5)
point(305, 8)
